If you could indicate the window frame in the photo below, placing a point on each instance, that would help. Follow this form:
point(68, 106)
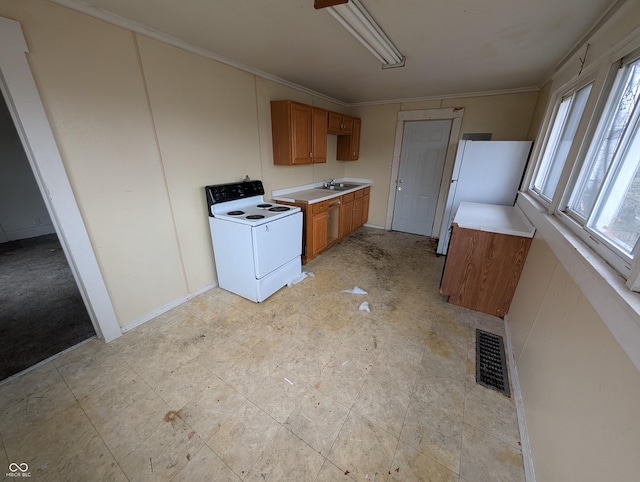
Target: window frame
point(560, 97)
point(604, 76)
point(593, 76)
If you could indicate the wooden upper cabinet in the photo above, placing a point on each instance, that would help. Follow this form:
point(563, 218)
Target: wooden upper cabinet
point(348, 148)
point(340, 124)
point(299, 133)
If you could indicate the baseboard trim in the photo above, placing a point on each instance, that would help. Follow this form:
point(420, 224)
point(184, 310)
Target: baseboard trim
point(165, 308)
point(527, 459)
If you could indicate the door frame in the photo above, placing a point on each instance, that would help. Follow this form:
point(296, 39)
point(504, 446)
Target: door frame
point(28, 114)
point(455, 114)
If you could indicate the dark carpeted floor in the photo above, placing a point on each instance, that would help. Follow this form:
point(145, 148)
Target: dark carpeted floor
point(41, 310)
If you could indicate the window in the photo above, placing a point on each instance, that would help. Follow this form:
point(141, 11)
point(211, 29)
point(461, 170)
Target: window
point(607, 194)
point(600, 201)
point(563, 130)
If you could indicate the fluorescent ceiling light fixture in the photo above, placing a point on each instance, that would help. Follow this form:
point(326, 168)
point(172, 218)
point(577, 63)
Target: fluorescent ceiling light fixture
point(355, 18)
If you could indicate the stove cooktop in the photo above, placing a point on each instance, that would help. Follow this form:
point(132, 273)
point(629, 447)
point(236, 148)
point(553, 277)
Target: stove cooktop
point(244, 203)
point(253, 214)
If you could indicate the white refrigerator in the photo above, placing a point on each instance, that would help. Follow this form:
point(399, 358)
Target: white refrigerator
point(486, 172)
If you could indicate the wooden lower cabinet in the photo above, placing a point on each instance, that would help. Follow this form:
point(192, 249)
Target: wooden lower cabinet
point(365, 205)
point(357, 210)
point(346, 214)
point(482, 269)
point(320, 228)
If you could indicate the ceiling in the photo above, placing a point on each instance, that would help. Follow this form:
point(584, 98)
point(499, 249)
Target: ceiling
point(452, 47)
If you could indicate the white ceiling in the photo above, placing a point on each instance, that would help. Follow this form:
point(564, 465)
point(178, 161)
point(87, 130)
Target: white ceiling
point(451, 47)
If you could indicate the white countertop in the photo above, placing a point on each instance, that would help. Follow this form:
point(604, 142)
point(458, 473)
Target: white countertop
point(314, 193)
point(493, 218)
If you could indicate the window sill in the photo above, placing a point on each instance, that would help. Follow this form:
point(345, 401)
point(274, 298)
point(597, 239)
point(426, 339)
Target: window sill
point(604, 288)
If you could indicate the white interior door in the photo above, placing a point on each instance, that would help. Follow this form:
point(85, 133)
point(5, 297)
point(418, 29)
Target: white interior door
point(424, 147)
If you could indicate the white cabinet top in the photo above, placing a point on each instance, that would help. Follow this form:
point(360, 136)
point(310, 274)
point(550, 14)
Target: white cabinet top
point(494, 218)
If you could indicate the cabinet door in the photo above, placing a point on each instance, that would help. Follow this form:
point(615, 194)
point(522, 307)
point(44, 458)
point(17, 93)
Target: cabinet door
point(482, 269)
point(340, 124)
point(355, 140)
point(335, 123)
point(347, 125)
point(346, 217)
point(365, 208)
point(319, 135)
point(320, 232)
point(301, 127)
point(357, 213)
point(348, 147)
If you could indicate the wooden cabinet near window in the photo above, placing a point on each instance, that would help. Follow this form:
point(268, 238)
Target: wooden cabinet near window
point(487, 251)
point(348, 148)
point(299, 133)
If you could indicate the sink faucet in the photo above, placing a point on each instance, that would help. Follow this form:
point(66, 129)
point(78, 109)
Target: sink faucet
point(329, 183)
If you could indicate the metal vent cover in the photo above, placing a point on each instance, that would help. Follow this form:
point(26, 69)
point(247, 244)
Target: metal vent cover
point(491, 363)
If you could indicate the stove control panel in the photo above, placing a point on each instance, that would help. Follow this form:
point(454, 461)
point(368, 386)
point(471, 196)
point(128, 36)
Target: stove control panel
point(220, 193)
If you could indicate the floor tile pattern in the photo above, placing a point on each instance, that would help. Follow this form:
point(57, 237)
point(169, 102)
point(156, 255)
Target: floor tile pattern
point(303, 386)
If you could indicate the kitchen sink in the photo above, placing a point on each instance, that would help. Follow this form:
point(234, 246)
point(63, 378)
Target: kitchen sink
point(341, 186)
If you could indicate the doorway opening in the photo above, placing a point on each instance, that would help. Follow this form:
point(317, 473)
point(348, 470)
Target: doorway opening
point(41, 309)
point(18, 90)
point(422, 168)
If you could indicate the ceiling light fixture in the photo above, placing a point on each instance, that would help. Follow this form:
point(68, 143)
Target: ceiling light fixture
point(355, 18)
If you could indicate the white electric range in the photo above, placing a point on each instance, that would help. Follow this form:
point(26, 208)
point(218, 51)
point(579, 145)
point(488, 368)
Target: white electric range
point(256, 244)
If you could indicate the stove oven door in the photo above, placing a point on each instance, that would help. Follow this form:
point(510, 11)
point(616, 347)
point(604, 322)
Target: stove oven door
point(276, 243)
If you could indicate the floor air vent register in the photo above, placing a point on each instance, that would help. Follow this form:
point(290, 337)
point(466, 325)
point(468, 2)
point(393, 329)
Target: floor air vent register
point(491, 364)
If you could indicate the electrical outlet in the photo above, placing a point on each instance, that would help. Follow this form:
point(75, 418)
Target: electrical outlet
point(36, 221)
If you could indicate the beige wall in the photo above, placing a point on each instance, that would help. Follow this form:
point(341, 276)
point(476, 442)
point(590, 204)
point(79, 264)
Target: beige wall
point(506, 116)
point(142, 126)
point(580, 390)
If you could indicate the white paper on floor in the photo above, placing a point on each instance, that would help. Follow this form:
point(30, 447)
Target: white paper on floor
point(365, 307)
point(356, 291)
point(299, 278)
